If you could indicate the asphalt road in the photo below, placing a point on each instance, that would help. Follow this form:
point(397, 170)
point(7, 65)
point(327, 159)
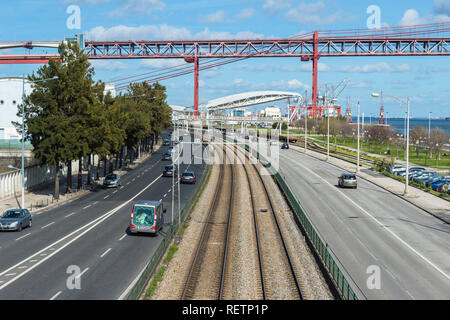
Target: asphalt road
point(370, 228)
point(89, 233)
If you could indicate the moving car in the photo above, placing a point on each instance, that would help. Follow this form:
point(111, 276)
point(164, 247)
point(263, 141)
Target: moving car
point(111, 181)
point(147, 217)
point(188, 177)
point(169, 171)
point(166, 142)
point(15, 219)
point(167, 156)
point(348, 180)
point(285, 146)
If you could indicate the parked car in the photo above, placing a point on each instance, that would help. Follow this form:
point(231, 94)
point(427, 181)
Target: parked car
point(167, 156)
point(111, 181)
point(188, 177)
point(439, 186)
point(428, 182)
point(348, 180)
point(147, 217)
point(424, 175)
point(15, 219)
point(285, 146)
point(169, 171)
point(395, 169)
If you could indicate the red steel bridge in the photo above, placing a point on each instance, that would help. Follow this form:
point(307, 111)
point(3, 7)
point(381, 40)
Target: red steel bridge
point(421, 40)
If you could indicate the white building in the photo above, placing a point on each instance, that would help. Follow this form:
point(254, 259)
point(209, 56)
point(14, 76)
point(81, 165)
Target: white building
point(272, 112)
point(10, 99)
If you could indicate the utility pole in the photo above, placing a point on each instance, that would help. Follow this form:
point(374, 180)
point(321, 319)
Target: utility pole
point(357, 161)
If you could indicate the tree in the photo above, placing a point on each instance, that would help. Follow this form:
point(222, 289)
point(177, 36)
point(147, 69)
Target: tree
point(379, 135)
point(438, 138)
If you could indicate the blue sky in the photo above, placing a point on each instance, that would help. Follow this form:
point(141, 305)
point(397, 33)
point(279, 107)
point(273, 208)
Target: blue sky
point(424, 79)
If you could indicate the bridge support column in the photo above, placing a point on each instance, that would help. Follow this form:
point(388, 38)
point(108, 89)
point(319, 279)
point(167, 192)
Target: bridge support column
point(196, 76)
point(315, 74)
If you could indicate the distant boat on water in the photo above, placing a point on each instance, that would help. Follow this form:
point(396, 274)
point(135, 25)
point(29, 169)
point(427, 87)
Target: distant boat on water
point(447, 119)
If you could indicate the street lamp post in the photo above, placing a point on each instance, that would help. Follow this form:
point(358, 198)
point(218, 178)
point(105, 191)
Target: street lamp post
point(328, 136)
point(306, 129)
point(357, 160)
point(400, 101)
point(429, 125)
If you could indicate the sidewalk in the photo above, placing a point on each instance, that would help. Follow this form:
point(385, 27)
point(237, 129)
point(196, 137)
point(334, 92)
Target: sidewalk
point(42, 199)
point(435, 206)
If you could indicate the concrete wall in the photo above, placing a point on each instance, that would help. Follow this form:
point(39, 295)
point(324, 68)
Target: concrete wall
point(11, 182)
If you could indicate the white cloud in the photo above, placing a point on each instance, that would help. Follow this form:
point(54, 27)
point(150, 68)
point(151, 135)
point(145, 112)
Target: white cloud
point(215, 17)
point(108, 65)
point(376, 67)
point(87, 1)
point(138, 7)
point(160, 63)
point(412, 17)
point(315, 13)
point(162, 32)
point(245, 14)
point(274, 6)
point(442, 6)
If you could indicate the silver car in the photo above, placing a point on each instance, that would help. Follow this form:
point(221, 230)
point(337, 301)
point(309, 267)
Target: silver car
point(15, 219)
point(348, 180)
point(111, 181)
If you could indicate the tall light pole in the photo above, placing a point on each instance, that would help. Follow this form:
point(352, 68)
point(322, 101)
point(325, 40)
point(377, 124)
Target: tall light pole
point(23, 134)
point(328, 136)
point(306, 129)
point(401, 102)
point(357, 158)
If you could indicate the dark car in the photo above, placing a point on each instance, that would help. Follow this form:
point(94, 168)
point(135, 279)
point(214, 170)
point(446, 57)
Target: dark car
point(111, 181)
point(15, 219)
point(348, 180)
point(166, 142)
point(188, 177)
point(167, 156)
point(169, 171)
point(285, 146)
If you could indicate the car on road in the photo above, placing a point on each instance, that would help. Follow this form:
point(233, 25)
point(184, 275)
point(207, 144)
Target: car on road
point(111, 181)
point(285, 146)
point(147, 217)
point(170, 171)
point(188, 177)
point(348, 180)
point(15, 219)
point(167, 156)
point(166, 142)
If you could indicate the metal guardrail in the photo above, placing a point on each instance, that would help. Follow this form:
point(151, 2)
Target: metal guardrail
point(137, 290)
point(337, 276)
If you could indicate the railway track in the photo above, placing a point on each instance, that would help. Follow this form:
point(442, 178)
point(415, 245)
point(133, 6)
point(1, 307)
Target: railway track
point(205, 280)
point(211, 276)
point(275, 263)
point(340, 155)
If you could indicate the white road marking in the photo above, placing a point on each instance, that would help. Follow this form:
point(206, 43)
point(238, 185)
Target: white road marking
point(83, 272)
point(115, 192)
point(70, 214)
point(34, 260)
point(106, 197)
point(48, 225)
point(10, 274)
point(87, 206)
point(88, 227)
point(133, 180)
point(23, 267)
point(381, 224)
point(165, 195)
point(123, 237)
point(23, 236)
point(56, 295)
point(128, 183)
point(95, 202)
point(105, 253)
